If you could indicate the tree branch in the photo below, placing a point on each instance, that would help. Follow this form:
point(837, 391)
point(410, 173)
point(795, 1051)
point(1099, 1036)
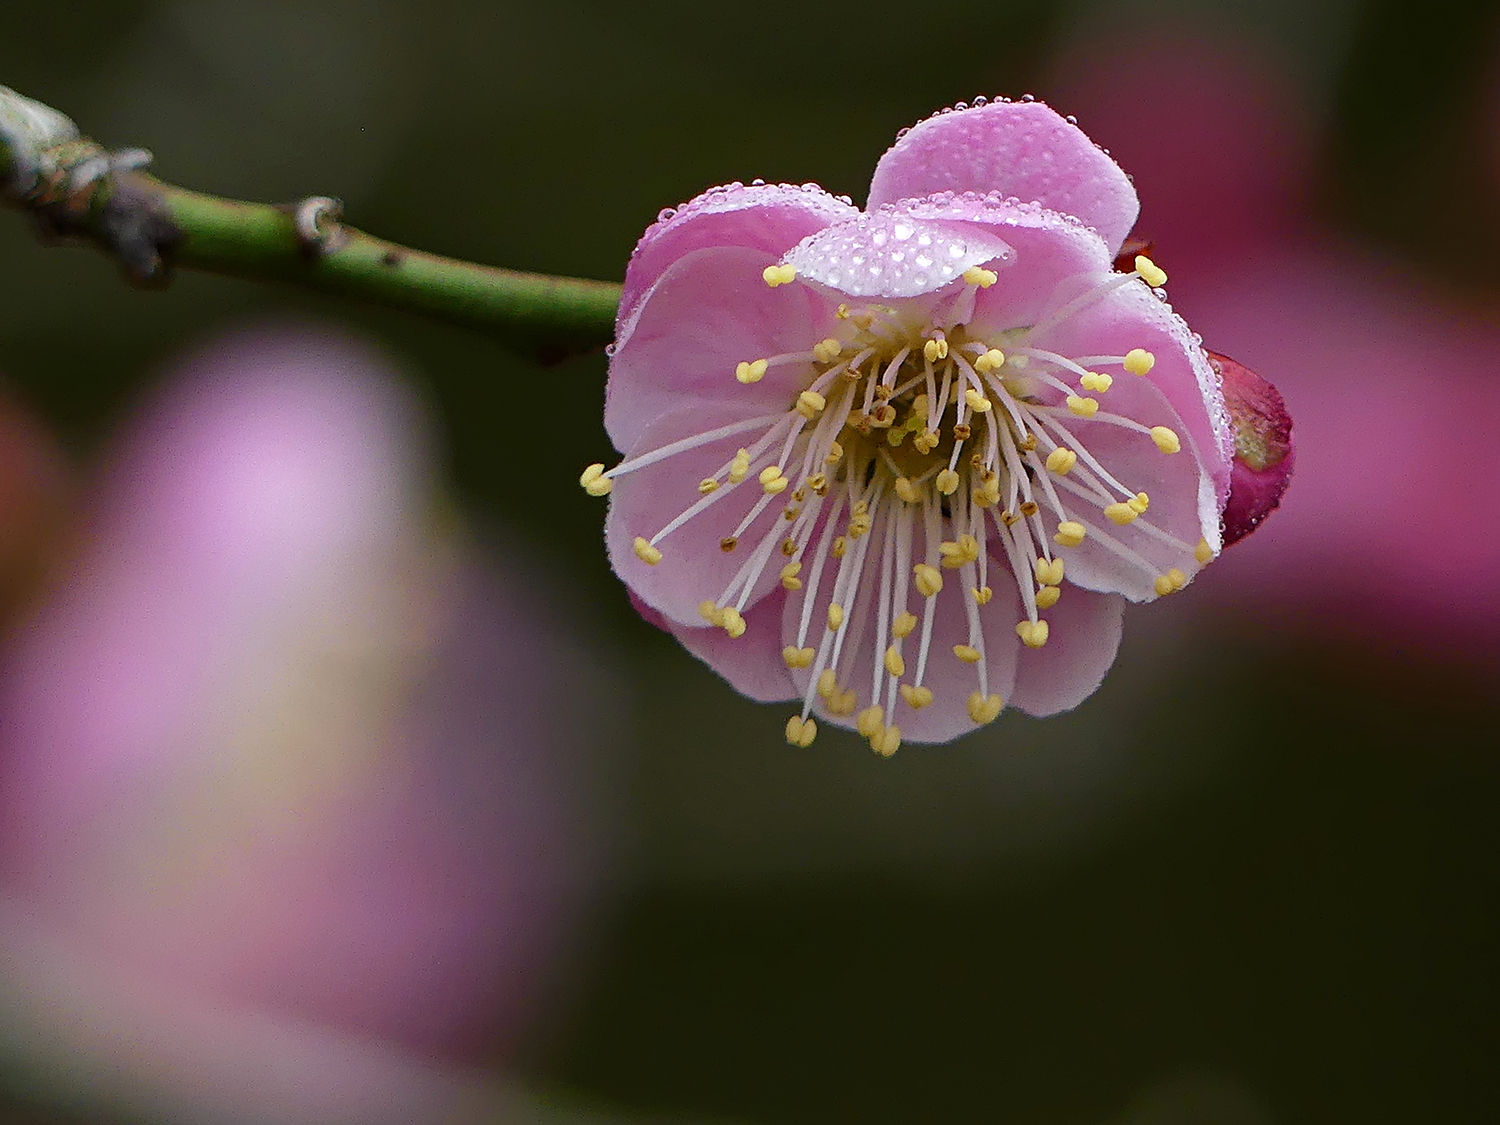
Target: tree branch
point(77, 190)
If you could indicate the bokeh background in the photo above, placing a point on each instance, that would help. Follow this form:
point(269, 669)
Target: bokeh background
point(1252, 881)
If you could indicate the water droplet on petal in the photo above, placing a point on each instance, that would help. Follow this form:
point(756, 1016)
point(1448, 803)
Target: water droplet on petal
point(1028, 97)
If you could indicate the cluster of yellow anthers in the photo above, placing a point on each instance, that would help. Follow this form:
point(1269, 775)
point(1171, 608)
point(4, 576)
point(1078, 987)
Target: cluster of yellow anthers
point(931, 439)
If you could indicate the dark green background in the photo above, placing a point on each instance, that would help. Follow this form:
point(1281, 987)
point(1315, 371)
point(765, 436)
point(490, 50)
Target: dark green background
point(1251, 881)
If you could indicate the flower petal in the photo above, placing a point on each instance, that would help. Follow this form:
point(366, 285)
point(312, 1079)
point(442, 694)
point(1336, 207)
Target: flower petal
point(768, 217)
point(706, 314)
point(1021, 149)
point(693, 568)
point(1084, 638)
point(890, 254)
point(752, 662)
point(1131, 317)
point(1048, 249)
point(1181, 494)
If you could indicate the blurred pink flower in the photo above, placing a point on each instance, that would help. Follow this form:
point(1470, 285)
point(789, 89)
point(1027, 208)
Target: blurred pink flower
point(283, 741)
point(1391, 382)
point(951, 380)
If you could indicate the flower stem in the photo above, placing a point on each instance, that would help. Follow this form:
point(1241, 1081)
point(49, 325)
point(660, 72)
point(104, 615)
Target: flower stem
point(79, 191)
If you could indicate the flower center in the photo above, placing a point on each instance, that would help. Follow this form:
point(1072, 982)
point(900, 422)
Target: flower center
point(918, 447)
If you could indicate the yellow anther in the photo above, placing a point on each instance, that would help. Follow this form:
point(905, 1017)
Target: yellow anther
point(1028, 443)
point(770, 473)
point(732, 621)
point(1162, 585)
point(1138, 361)
point(800, 731)
point(750, 371)
point(772, 480)
point(987, 495)
point(978, 275)
point(907, 491)
point(947, 482)
point(728, 543)
point(926, 442)
point(739, 468)
point(858, 525)
point(977, 402)
point(707, 485)
point(1151, 273)
point(982, 595)
point(935, 349)
point(840, 545)
point(962, 431)
point(1046, 596)
point(791, 570)
point(809, 403)
point(1049, 573)
point(835, 616)
point(895, 663)
point(709, 612)
point(929, 579)
point(968, 654)
point(645, 552)
point(788, 547)
point(870, 720)
point(992, 360)
point(826, 350)
point(1203, 552)
point(886, 741)
point(844, 704)
point(1061, 460)
point(916, 697)
point(1139, 503)
point(984, 708)
point(1070, 533)
point(1033, 634)
point(798, 657)
point(1179, 579)
point(842, 312)
point(1083, 407)
point(1096, 381)
point(883, 416)
point(594, 482)
point(1030, 508)
point(835, 453)
point(1120, 514)
point(778, 275)
point(1166, 440)
point(905, 623)
point(828, 684)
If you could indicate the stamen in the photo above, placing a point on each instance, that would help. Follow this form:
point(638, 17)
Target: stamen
point(1033, 634)
point(916, 697)
point(1083, 407)
point(1046, 596)
point(1070, 533)
point(977, 275)
point(1166, 440)
point(984, 708)
point(1138, 361)
point(1096, 381)
point(779, 275)
point(967, 653)
point(645, 552)
point(1060, 460)
point(748, 372)
point(800, 731)
point(1151, 273)
point(929, 580)
point(594, 482)
point(1203, 552)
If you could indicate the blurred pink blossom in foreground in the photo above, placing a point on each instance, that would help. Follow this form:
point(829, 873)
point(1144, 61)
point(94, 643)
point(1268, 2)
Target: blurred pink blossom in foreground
point(282, 743)
point(1388, 528)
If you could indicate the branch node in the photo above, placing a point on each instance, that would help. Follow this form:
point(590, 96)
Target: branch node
point(316, 220)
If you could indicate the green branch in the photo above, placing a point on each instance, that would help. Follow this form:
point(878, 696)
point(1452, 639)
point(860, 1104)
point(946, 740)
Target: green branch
point(77, 190)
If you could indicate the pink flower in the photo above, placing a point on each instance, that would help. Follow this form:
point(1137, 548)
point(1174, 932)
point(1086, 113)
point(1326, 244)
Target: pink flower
point(865, 450)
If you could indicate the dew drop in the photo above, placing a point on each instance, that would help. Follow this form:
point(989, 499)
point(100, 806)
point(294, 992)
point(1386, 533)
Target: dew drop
point(757, 183)
point(903, 231)
point(1071, 120)
point(665, 214)
point(981, 100)
point(610, 349)
point(1028, 97)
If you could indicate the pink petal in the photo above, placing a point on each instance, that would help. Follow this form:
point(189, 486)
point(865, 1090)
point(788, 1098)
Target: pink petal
point(950, 679)
point(1021, 149)
point(890, 254)
point(1264, 456)
point(752, 662)
point(693, 569)
point(1084, 637)
point(1182, 495)
point(1047, 249)
point(768, 217)
point(1131, 317)
point(706, 314)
